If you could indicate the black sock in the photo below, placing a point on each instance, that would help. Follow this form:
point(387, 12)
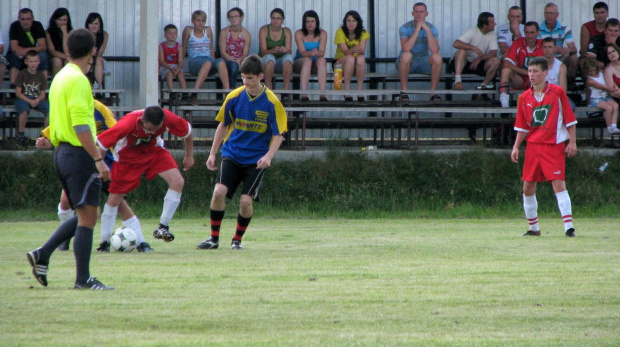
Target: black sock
point(82, 244)
point(64, 232)
point(242, 226)
point(216, 223)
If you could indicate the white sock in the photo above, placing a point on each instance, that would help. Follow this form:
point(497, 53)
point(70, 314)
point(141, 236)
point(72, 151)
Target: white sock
point(565, 209)
point(63, 215)
point(530, 206)
point(171, 202)
point(457, 78)
point(134, 224)
point(108, 219)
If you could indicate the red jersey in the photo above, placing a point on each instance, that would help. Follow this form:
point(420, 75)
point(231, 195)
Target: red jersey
point(130, 140)
point(171, 54)
point(545, 120)
point(520, 54)
point(591, 27)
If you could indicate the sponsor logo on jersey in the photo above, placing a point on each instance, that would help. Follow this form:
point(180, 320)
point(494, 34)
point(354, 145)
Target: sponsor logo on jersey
point(540, 114)
point(246, 125)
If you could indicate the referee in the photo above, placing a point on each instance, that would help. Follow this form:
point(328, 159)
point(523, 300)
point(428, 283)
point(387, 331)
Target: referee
point(78, 162)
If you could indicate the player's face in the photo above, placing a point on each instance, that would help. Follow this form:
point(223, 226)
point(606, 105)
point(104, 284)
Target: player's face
point(548, 49)
point(150, 128)
point(530, 33)
point(515, 16)
point(612, 31)
point(536, 74)
point(600, 15)
point(26, 20)
point(171, 35)
point(251, 81)
point(419, 13)
point(612, 54)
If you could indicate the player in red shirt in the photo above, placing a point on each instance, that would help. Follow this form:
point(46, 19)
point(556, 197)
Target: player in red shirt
point(139, 150)
point(514, 69)
point(545, 119)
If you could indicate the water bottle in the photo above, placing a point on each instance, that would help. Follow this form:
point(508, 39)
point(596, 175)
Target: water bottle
point(369, 148)
point(338, 75)
point(602, 168)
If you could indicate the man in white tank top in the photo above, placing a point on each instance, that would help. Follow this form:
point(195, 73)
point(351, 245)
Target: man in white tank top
point(557, 70)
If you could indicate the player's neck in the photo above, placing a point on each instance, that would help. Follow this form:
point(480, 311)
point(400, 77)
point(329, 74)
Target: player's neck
point(255, 90)
point(538, 88)
point(82, 63)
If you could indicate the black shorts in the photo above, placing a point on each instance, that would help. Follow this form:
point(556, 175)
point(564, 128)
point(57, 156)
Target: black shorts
point(78, 175)
point(232, 173)
point(479, 70)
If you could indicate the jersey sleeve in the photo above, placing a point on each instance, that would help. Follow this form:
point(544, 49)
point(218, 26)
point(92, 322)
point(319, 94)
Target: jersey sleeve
point(108, 117)
point(339, 38)
point(511, 56)
point(108, 138)
point(225, 114)
point(567, 112)
point(177, 125)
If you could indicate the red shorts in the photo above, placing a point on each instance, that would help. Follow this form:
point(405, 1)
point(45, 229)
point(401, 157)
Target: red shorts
point(126, 173)
point(544, 162)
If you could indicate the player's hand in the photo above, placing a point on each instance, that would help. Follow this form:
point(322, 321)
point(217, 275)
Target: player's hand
point(188, 162)
point(478, 52)
point(474, 64)
point(211, 163)
point(43, 143)
point(104, 170)
point(571, 149)
point(514, 27)
point(514, 156)
point(264, 162)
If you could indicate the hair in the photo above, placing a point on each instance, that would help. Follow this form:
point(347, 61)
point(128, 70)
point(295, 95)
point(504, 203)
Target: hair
point(170, 26)
point(80, 43)
point(420, 4)
point(198, 13)
point(235, 9)
point(99, 35)
point(540, 62)
point(360, 24)
point(483, 19)
point(277, 10)
point(550, 4)
point(31, 53)
point(154, 115)
point(513, 8)
point(311, 14)
point(612, 22)
point(251, 65)
point(549, 39)
point(590, 63)
point(54, 30)
point(26, 10)
point(600, 4)
point(532, 24)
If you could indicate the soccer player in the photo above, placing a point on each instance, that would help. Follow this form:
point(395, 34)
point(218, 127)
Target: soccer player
point(252, 122)
point(545, 119)
point(78, 163)
point(139, 149)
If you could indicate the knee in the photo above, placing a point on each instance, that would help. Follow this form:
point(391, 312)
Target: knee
point(245, 203)
point(219, 192)
point(177, 183)
point(436, 59)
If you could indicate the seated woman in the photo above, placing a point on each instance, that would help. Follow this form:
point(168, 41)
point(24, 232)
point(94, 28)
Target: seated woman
point(612, 71)
point(599, 95)
point(310, 58)
point(198, 43)
point(275, 49)
point(94, 23)
point(56, 36)
point(234, 44)
point(351, 39)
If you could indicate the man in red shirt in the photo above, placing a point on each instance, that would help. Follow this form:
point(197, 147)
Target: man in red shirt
point(514, 70)
point(545, 119)
point(139, 150)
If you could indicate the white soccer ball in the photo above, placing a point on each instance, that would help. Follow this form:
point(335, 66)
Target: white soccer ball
point(124, 240)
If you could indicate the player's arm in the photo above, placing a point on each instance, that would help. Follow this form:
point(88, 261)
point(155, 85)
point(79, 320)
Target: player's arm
point(265, 161)
point(515, 149)
point(571, 148)
point(220, 133)
point(188, 160)
point(85, 135)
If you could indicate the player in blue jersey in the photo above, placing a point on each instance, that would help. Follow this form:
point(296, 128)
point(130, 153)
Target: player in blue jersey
point(252, 122)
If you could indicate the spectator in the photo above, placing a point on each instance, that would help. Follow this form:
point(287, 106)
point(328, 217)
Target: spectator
point(597, 45)
point(565, 46)
point(275, 49)
point(593, 27)
point(351, 39)
point(599, 95)
point(26, 34)
point(3, 61)
point(311, 41)
point(557, 70)
point(58, 29)
point(419, 49)
point(507, 33)
point(170, 58)
point(514, 70)
point(198, 42)
point(234, 44)
point(97, 68)
point(612, 70)
point(476, 53)
point(30, 86)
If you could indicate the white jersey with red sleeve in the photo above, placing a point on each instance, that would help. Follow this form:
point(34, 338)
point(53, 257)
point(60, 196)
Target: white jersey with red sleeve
point(130, 140)
point(545, 118)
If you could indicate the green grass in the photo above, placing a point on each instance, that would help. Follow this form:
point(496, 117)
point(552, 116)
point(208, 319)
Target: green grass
point(327, 282)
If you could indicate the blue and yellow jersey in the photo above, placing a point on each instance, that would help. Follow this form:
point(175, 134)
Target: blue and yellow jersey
point(252, 124)
point(104, 119)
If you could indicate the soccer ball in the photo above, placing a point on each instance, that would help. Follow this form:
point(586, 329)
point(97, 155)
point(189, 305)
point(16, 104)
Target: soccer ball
point(124, 240)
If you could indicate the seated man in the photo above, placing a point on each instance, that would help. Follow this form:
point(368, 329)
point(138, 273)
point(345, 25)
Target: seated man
point(510, 31)
point(514, 70)
point(476, 53)
point(26, 34)
point(593, 27)
point(566, 50)
point(556, 74)
point(597, 45)
point(419, 49)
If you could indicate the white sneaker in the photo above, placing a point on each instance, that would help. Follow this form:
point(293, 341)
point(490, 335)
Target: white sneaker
point(614, 131)
point(504, 100)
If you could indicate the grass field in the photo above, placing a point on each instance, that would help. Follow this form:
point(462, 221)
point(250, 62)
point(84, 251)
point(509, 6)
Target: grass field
point(327, 282)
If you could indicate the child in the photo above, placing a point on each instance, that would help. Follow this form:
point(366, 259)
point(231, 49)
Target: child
point(252, 121)
point(30, 86)
point(170, 59)
point(599, 96)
